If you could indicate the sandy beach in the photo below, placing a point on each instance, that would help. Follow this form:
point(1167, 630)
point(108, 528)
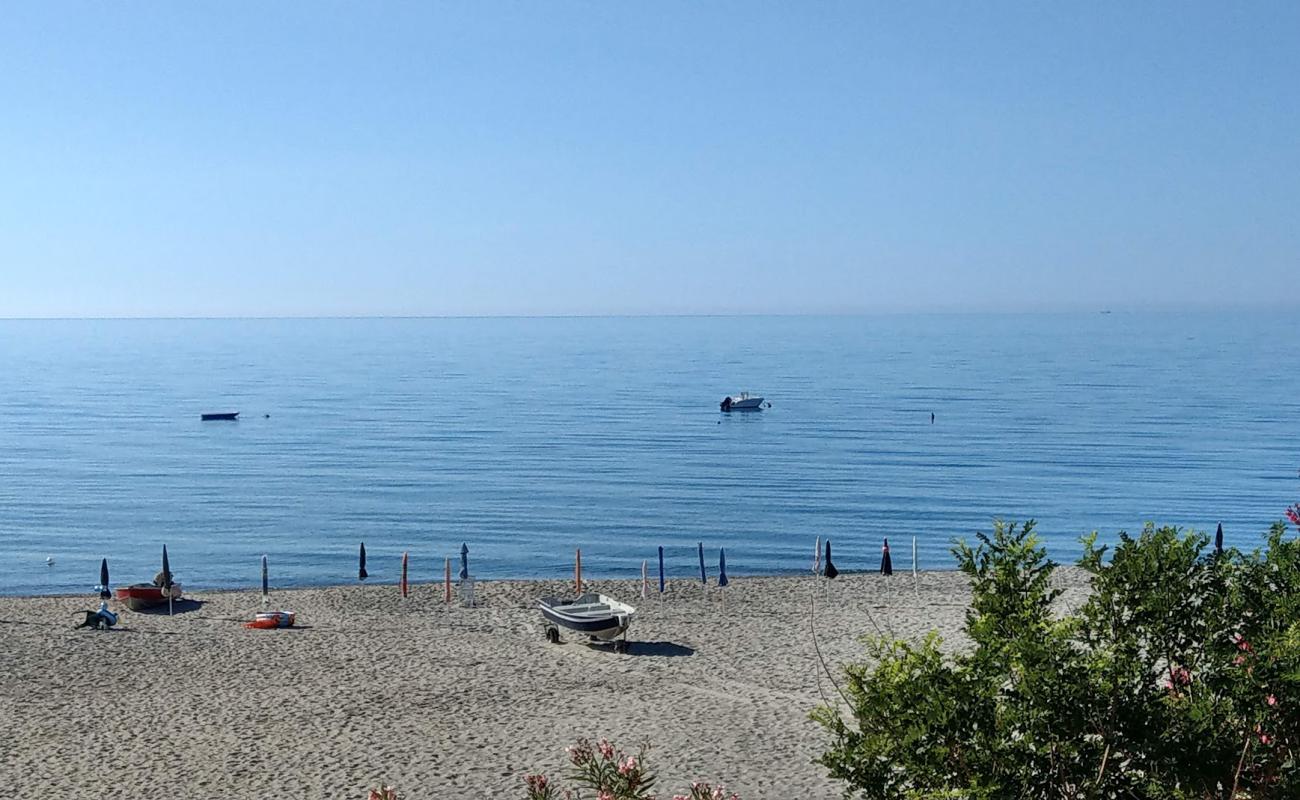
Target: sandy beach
point(439, 701)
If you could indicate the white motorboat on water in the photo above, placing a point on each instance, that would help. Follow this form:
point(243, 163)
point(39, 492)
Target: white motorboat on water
point(742, 402)
point(598, 616)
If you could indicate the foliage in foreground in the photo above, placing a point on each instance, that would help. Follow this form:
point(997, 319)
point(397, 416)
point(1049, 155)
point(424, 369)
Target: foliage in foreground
point(1178, 678)
point(611, 774)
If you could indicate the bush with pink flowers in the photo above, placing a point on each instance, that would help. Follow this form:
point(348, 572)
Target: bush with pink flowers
point(608, 773)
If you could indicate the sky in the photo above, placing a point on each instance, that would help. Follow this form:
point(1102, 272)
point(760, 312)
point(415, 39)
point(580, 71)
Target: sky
point(485, 158)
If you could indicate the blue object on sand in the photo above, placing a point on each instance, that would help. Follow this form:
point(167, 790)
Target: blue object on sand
point(661, 570)
point(464, 561)
point(722, 567)
point(703, 577)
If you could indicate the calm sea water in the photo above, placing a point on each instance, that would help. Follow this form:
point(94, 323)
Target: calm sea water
point(526, 438)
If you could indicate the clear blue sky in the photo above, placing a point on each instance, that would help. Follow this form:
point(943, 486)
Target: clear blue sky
point(227, 158)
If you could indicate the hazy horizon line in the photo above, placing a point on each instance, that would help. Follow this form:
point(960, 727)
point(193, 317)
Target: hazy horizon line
point(668, 315)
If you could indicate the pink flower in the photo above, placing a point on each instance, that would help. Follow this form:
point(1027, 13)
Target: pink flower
point(627, 765)
point(606, 749)
point(1239, 660)
point(1271, 700)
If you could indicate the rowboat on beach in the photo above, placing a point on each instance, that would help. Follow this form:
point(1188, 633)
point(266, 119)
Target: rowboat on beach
point(140, 596)
point(598, 616)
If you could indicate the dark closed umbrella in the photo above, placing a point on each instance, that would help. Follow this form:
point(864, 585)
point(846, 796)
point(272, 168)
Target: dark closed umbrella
point(722, 567)
point(886, 564)
point(829, 569)
point(361, 570)
point(661, 570)
point(464, 561)
point(704, 578)
point(266, 586)
point(405, 562)
point(1218, 540)
point(104, 591)
point(167, 580)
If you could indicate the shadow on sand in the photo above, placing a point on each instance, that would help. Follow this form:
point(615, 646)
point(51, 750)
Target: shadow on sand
point(661, 649)
point(182, 606)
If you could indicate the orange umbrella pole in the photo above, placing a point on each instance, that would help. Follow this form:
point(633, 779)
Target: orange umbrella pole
point(446, 582)
point(577, 572)
point(405, 559)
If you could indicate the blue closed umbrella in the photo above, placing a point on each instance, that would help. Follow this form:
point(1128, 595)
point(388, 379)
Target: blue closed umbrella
point(661, 570)
point(104, 591)
point(361, 570)
point(703, 577)
point(722, 567)
point(464, 561)
point(829, 568)
point(1218, 540)
point(266, 585)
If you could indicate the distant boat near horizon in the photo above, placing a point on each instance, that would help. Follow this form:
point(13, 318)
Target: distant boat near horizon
point(742, 402)
point(220, 415)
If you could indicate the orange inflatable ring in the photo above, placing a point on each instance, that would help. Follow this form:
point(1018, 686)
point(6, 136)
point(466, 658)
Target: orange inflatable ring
point(272, 619)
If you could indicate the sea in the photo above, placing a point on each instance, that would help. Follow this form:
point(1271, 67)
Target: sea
point(526, 439)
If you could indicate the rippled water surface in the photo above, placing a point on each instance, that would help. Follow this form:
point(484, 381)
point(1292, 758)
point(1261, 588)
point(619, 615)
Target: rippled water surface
point(526, 438)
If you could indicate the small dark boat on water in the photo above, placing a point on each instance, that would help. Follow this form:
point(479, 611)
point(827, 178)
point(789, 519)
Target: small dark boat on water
point(140, 596)
point(226, 415)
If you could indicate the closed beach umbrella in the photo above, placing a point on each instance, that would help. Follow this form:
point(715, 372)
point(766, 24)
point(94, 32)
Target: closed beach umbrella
point(704, 578)
point(361, 570)
point(722, 567)
point(167, 580)
point(886, 565)
point(830, 570)
point(645, 581)
point(464, 561)
point(1218, 540)
point(661, 570)
point(266, 585)
point(405, 563)
point(577, 571)
point(104, 591)
point(817, 556)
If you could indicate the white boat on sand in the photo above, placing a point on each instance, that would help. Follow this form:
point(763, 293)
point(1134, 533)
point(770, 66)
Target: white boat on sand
point(598, 616)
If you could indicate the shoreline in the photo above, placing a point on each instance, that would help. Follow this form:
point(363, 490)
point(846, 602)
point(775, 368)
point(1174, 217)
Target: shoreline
point(899, 574)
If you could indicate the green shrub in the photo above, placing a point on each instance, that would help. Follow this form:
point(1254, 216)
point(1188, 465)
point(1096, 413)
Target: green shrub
point(1178, 677)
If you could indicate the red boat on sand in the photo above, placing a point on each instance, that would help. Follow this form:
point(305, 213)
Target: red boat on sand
point(140, 596)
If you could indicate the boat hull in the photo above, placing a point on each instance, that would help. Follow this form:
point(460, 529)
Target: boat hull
point(742, 404)
point(142, 596)
point(597, 616)
point(228, 416)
